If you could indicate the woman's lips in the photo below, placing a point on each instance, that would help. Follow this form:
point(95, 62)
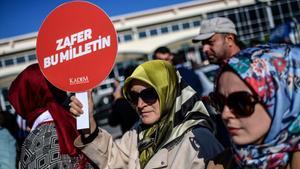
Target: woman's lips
point(233, 130)
point(145, 113)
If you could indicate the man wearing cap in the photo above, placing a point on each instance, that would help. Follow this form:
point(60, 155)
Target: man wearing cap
point(219, 39)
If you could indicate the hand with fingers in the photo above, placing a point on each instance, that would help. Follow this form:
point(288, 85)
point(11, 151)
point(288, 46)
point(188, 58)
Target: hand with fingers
point(76, 109)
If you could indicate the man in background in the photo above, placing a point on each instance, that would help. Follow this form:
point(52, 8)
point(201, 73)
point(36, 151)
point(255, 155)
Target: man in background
point(178, 60)
point(163, 53)
point(219, 39)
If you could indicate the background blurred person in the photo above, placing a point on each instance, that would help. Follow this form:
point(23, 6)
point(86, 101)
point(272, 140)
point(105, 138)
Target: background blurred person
point(163, 53)
point(219, 39)
point(178, 60)
point(53, 129)
point(174, 130)
point(258, 96)
point(122, 113)
point(187, 74)
point(219, 43)
point(8, 131)
point(288, 32)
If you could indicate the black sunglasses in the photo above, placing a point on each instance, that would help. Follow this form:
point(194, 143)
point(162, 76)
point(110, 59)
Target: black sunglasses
point(241, 103)
point(148, 95)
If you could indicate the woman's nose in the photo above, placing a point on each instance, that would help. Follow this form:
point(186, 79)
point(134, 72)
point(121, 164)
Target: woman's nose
point(227, 113)
point(140, 103)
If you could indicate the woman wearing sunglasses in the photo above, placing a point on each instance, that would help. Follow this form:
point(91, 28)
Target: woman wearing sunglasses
point(174, 130)
point(258, 96)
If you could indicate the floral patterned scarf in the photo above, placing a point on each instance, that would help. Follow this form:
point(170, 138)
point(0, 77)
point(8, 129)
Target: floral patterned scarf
point(273, 72)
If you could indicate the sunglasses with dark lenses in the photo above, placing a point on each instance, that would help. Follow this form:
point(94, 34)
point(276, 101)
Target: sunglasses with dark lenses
point(241, 103)
point(148, 95)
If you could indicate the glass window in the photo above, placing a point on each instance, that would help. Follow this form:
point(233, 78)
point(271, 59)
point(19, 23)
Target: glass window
point(275, 10)
point(9, 62)
point(252, 14)
point(121, 71)
point(119, 39)
point(261, 13)
point(142, 34)
point(242, 16)
point(111, 75)
point(196, 23)
point(153, 32)
point(164, 30)
point(286, 9)
point(264, 25)
point(232, 17)
point(104, 86)
point(32, 57)
point(175, 28)
point(186, 25)
point(127, 37)
point(21, 59)
point(255, 26)
point(295, 7)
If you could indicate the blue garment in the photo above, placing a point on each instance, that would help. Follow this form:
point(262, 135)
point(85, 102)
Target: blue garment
point(286, 32)
point(7, 150)
point(203, 136)
point(273, 73)
point(191, 78)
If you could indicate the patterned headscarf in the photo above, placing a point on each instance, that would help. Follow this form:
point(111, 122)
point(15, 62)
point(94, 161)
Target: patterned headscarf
point(273, 73)
point(181, 108)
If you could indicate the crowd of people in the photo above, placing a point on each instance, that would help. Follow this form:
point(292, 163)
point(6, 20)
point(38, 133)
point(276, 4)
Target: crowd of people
point(250, 120)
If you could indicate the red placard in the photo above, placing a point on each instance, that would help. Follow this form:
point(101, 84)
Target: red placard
point(76, 46)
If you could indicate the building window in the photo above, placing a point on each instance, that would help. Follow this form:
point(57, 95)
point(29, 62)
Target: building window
point(252, 15)
point(111, 75)
point(104, 86)
point(275, 10)
point(164, 30)
point(8, 62)
point(21, 59)
point(127, 37)
point(31, 57)
point(232, 17)
point(186, 25)
point(287, 10)
point(196, 23)
point(153, 32)
point(142, 34)
point(175, 28)
point(295, 7)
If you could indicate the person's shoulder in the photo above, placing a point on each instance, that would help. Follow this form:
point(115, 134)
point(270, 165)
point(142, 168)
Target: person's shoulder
point(224, 160)
point(200, 131)
point(209, 145)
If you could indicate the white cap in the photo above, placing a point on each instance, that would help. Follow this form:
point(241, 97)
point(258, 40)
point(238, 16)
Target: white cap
point(215, 25)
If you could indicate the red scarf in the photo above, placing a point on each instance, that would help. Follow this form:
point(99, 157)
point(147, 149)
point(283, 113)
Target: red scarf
point(31, 94)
